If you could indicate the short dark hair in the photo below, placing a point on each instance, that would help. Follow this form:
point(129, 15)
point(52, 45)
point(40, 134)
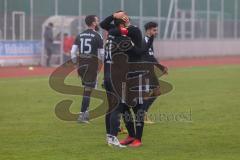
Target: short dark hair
point(150, 25)
point(90, 19)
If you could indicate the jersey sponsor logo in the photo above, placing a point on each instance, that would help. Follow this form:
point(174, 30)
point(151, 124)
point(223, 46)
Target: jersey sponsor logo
point(87, 35)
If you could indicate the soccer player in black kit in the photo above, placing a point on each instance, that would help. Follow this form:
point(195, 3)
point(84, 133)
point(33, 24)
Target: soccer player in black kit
point(89, 44)
point(118, 32)
point(148, 58)
point(151, 30)
point(112, 116)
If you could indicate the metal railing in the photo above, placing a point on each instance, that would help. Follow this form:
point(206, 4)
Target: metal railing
point(178, 19)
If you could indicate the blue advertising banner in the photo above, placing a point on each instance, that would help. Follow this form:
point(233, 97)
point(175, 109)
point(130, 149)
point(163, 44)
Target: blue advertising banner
point(20, 48)
point(1, 48)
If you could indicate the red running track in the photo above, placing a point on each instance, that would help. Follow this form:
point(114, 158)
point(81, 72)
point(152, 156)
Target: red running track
point(14, 72)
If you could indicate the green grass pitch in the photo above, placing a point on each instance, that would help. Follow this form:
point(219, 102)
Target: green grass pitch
point(29, 129)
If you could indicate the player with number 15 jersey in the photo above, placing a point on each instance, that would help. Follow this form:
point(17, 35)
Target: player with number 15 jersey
point(89, 44)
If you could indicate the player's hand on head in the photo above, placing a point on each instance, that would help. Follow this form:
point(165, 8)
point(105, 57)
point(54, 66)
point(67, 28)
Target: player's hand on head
point(119, 15)
point(126, 19)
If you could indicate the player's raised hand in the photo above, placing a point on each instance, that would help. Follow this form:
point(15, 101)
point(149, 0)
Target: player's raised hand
point(119, 15)
point(126, 19)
